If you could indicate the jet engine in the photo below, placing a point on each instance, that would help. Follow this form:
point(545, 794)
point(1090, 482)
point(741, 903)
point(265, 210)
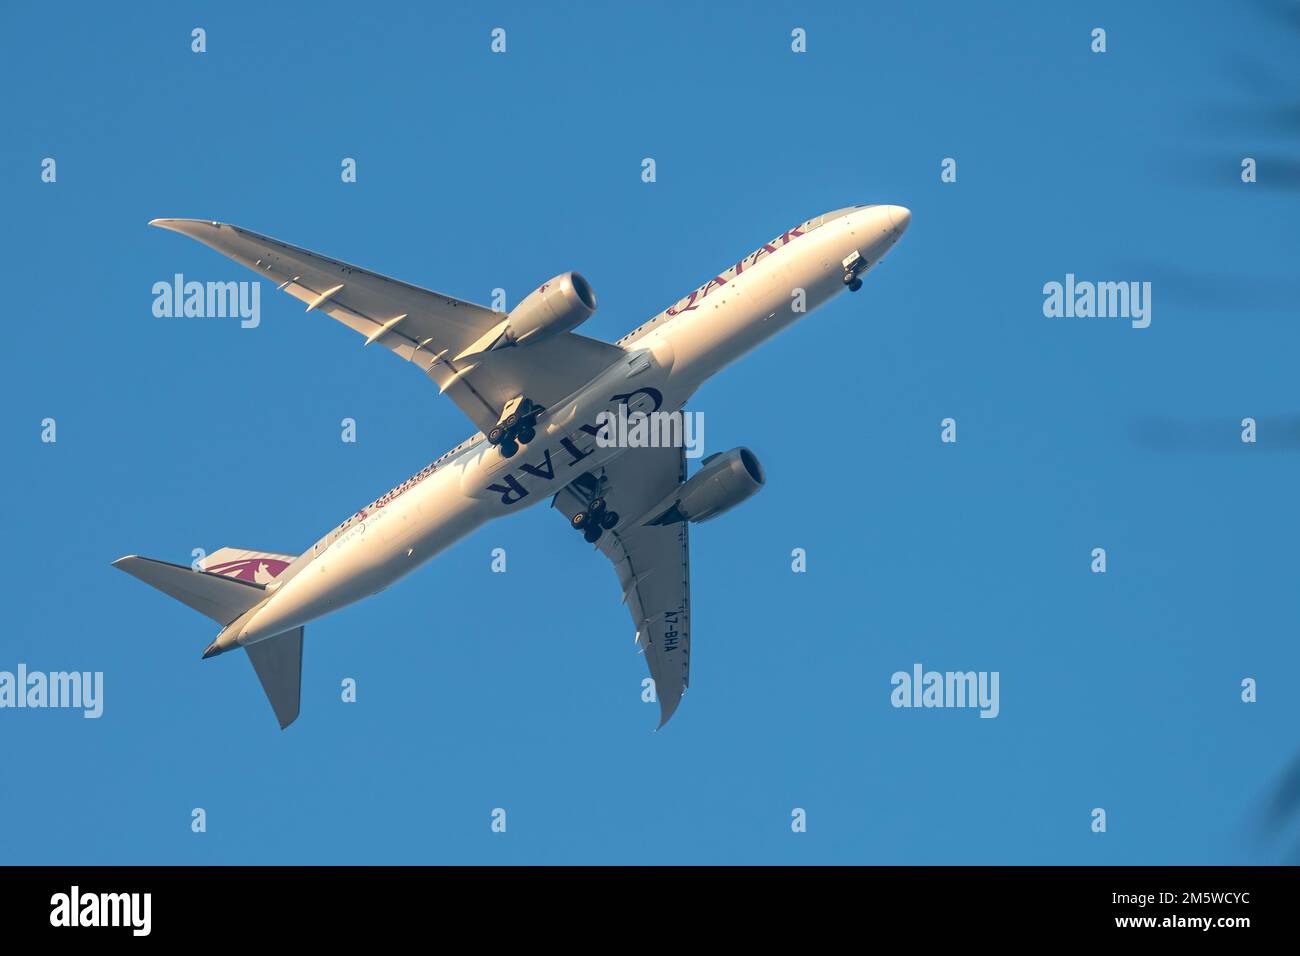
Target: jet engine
point(561, 304)
point(725, 480)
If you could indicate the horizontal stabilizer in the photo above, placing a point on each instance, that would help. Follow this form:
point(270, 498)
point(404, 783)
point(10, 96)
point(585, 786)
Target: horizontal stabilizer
point(221, 598)
point(278, 662)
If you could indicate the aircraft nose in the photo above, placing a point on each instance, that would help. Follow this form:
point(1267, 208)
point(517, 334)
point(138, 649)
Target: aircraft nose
point(899, 217)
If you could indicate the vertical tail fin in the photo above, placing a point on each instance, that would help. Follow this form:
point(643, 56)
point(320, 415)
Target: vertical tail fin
point(260, 567)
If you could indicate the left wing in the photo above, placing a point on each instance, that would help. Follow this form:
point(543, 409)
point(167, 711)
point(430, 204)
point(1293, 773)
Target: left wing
point(652, 561)
point(426, 328)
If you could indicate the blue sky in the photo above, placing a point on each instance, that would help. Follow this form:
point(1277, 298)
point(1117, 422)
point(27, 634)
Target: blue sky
point(522, 691)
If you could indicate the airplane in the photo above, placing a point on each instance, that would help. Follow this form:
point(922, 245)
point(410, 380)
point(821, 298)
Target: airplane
point(538, 393)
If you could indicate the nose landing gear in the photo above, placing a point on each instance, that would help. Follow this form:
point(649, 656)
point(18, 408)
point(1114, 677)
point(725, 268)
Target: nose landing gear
point(854, 266)
point(595, 520)
point(518, 426)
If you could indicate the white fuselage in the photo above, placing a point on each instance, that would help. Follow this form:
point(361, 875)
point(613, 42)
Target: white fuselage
point(666, 360)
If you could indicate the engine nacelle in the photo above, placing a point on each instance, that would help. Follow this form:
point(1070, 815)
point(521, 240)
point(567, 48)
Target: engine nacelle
point(726, 479)
point(561, 304)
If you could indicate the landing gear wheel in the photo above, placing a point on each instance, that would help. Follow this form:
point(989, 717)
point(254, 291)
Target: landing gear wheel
point(579, 521)
point(597, 506)
point(527, 434)
point(512, 421)
point(855, 285)
point(494, 436)
point(848, 278)
point(592, 534)
point(608, 520)
point(508, 448)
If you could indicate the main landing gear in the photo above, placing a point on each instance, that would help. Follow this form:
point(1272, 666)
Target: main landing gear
point(854, 266)
point(595, 520)
point(518, 426)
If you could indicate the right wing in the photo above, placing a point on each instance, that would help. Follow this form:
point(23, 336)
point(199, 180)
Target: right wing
point(652, 561)
point(423, 327)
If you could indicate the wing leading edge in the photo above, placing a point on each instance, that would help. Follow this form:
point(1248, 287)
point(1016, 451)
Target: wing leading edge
point(426, 328)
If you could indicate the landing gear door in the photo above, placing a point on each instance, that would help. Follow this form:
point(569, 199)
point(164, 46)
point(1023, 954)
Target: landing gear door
point(853, 264)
